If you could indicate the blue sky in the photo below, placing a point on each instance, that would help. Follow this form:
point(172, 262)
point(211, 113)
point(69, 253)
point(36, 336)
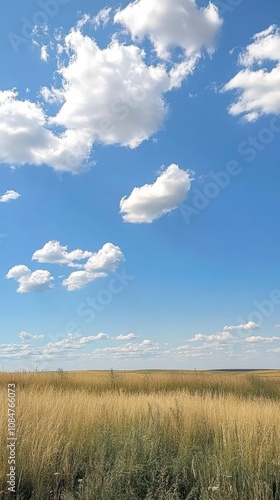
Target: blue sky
point(140, 185)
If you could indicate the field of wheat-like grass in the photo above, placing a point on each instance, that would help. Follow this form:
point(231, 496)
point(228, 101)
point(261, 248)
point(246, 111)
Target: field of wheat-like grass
point(158, 435)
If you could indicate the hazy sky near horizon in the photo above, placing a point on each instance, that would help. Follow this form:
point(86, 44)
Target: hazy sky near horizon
point(139, 201)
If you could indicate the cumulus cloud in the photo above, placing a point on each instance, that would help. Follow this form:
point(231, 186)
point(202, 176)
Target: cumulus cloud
point(29, 336)
point(99, 265)
point(28, 281)
point(73, 346)
point(257, 85)
point(109, 95)
point(15, 351)
point(26, 138)
point(129, 336)
point(73, 342)
point(171, 23)
point(247, 326)
point(125, 105)
point(263, 340)
point(130, 350)
point(151, 201)
point(106, 259)
point(54, 253)
point(76, 346)
point(219, 337)
point(79, 279)
point(8, 196)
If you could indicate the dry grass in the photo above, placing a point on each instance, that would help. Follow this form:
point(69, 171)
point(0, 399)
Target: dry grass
point(145, 435)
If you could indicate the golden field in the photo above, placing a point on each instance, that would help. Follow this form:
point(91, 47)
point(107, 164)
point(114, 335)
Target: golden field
point(154, 435)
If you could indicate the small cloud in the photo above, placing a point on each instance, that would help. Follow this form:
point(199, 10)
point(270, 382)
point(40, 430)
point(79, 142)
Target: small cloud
point(126, 337)
point(257, 84)
point(29, 336)
point(263, 340)
point(106, 260)
point(172, 23)
point(9, 195)
point(100, 336)
point(247, 326)
point(102, 18)
point(79, 279)
point(151, 201)
point(38, 281)
point(274, 350)
point(44, 53)
point(219, 337)
point(54, 253)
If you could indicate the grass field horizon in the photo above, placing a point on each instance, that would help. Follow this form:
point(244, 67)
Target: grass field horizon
point(145, 434)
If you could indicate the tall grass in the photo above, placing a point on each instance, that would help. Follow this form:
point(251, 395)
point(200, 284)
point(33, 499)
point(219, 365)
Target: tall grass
point(153, 436)
point(266, 383)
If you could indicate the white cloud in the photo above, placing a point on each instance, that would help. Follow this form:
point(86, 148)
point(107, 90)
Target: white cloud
point(25, 138)
point(219, 337)
point(264, 340)
point(71, 347)
point(276, 326)
point(72, 343)
point(100, 336)
point(106, 260)
point(151, 201)
point(102, 18)
point(38, 281)
point(171, 23)
point(76, 347)
point(106, 95)
point(15, 351)
point(44, 53)
point(54, 253)
point(129, 336)
point(79, 279)
point(179, 71)
point(258, 87)
point(98, 265)
point(29, 336)
point(145, 348)
point(8, 196)
point(118, 98)
point(247, 326)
